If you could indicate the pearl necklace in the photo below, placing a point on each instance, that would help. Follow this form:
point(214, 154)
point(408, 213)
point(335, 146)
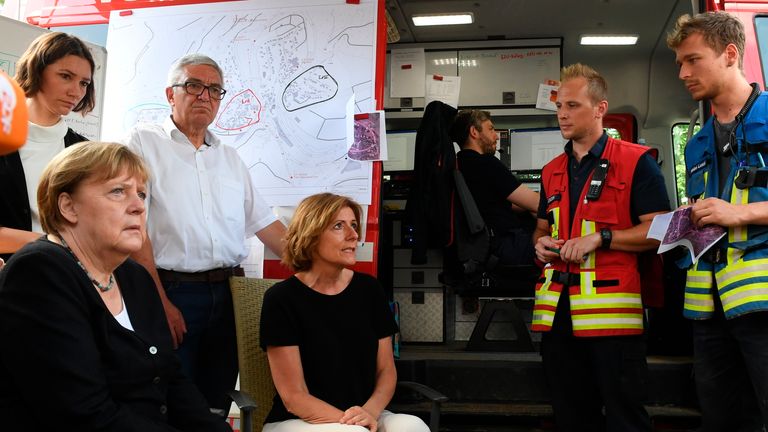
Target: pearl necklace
point(102, 288)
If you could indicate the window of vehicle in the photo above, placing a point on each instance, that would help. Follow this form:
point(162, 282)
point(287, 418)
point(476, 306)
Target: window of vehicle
point(613, 133)
point(761, 30)
point(679, 140)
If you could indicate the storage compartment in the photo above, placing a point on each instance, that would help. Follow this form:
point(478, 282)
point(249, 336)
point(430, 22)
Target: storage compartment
point(422, 314)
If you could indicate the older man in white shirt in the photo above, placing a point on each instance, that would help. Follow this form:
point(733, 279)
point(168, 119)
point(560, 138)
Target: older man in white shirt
point(202, 206)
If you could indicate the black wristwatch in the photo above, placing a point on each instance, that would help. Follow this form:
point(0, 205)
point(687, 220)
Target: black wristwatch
point(606, 235)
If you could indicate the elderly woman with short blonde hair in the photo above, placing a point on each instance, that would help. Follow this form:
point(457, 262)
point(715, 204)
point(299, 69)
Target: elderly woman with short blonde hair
point(90, 343)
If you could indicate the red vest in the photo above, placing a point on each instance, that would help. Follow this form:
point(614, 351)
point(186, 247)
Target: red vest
point(605, 289)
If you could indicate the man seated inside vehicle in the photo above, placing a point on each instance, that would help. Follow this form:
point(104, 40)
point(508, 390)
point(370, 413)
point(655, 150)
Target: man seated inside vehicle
point(504, 202)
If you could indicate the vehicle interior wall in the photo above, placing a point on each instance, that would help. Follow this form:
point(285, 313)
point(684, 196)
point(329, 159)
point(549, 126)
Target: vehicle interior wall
point(643, 81)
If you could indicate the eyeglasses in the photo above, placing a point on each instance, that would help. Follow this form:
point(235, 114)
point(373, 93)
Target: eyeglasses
point(196, 89)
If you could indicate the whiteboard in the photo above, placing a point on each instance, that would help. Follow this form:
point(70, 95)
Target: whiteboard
point(290, 67)
point(15, 37)
point(533, 148)
point(435, 62)
point(509, 76)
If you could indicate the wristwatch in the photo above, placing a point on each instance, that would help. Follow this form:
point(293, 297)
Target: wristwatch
point(606, 235)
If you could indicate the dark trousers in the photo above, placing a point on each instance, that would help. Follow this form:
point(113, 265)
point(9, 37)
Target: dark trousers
point(514, 247)
point(208, 352)
point(731, 370)
point(596, 383)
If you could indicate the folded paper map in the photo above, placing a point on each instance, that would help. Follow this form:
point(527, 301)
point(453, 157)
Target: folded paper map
point(677, 229)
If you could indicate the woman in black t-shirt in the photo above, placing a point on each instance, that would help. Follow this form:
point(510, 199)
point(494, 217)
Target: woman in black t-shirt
point(327, 330)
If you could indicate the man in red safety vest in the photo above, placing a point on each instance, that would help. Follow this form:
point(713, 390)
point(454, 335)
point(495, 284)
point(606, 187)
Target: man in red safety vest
point(597, 201)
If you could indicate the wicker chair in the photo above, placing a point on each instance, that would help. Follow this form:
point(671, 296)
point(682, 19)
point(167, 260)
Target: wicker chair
point(257, 388)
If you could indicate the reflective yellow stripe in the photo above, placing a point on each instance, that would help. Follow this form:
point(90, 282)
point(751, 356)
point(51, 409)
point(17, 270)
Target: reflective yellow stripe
point(739, 296)
point(608, 321)
point(548, 272)
point(614, 326)
point(587, 227)
point(706, 177)
point(741, 270)
point(698, 294)
point(738, 233)
point(586, 280)
point(612, 300)
point(548, 298)
point(698, 279)
point(699, 302)
point(544, 317)
point(555, 231)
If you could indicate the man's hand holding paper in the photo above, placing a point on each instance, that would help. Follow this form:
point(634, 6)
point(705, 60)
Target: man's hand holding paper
point(679, 229)
point(716, 211)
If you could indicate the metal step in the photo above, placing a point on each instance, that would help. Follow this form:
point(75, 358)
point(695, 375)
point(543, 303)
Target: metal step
point(518, 378)
point(520, 417)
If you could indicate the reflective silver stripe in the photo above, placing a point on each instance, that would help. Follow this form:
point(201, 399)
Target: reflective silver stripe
point(725, 275)
point(634, 300)
point(704, 278)
point(543, 319)
point(547, 298)
point(702, 302)
point(586, 321)
point(731, 297)
point(586, 280)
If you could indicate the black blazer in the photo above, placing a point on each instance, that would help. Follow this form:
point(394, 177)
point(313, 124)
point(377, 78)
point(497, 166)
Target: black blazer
point(14, 201)
point(67, 364)
point(429, 201)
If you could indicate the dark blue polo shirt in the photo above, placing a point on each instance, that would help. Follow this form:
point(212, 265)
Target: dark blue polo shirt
point(649, 194)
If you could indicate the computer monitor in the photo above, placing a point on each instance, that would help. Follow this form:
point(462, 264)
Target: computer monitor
point(401, 147)
point(531, 149)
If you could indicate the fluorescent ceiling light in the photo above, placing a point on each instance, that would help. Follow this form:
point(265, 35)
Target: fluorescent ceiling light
point(609, 39)
point(443, 19)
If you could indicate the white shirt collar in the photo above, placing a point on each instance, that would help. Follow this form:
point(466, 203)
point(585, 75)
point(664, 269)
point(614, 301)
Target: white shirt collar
point(175, 134)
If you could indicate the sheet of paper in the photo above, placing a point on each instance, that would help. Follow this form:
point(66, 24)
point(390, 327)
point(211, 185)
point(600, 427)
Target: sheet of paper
point(547, 97)
point(659, 226)
point(397, 154)
point(443, 88)
point(349, 122)
point(406, 72)
point(677, 229)
point(370, 138)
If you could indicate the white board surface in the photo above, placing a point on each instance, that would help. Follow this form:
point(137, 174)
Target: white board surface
point(15, 37)
point(289, 66)
point(509, 76)
point(435, 62)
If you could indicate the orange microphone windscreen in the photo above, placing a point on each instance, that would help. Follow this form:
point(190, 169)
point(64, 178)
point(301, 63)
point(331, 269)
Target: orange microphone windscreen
point(13, 115)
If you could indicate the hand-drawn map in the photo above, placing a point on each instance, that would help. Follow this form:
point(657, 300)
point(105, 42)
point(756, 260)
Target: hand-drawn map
point(289, 69)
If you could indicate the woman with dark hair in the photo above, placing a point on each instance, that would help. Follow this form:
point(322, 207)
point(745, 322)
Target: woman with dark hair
point(55, 74)
point(327, 330)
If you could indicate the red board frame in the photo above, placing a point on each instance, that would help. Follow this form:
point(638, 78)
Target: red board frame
point(58, 13)
point(273, 268)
